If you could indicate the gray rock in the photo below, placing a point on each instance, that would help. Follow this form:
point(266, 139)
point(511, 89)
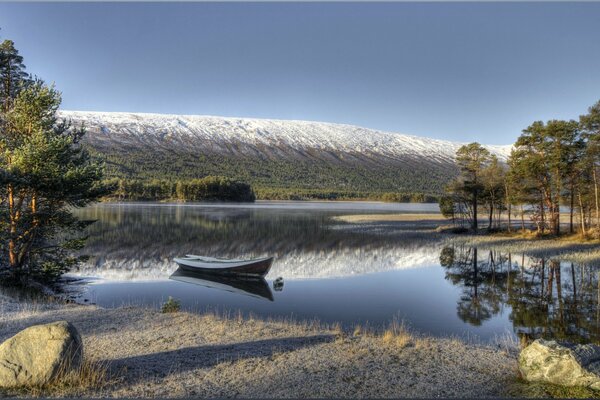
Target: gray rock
point(39, 354)
point(561, 363)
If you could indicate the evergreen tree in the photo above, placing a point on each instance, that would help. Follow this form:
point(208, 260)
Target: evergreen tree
point(545, 154)
point(493, 178)
point(590, 125)
point(45, 172)
point(472, 159)
point(12, 71)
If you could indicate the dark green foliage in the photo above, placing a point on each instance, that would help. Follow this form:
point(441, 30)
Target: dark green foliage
point(225, 189)
point(278, 178)
point(448, 207)
point(210, 188)
point(472, 160)
point(316, 194)
point(12, 71)
point(171, 306)
point(553, 164)
point(544, 163)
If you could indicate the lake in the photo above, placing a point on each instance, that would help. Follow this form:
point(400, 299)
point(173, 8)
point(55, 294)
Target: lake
point(335, 272)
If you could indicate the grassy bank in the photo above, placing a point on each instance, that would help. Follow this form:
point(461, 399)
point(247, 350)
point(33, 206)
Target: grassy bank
point(145, 353)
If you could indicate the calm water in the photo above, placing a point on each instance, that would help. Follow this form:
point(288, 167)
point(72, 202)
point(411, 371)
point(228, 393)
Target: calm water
point(334, 272)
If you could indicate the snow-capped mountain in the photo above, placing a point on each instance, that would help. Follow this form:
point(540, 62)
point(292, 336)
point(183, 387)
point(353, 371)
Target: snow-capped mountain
point(347, 147)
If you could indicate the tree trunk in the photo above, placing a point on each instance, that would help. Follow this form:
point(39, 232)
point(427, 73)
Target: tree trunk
point(29, 238)
point(12, 253)
point(522, 218)
point(596, 197)
point(581, 213)
point(542, 216)
point(475, 272)
point(556, 217)
point(491, 217)
point(571, 206)
point(474, 223)
point(509, 212)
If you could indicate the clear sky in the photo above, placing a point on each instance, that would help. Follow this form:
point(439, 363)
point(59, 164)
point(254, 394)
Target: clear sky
point(457, 71)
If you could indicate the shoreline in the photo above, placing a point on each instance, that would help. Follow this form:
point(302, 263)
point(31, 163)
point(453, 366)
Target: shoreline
point(151, 354)
point(569, 247)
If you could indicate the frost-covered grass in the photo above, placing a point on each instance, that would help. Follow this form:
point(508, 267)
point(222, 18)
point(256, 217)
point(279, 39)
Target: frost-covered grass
point(137, 352)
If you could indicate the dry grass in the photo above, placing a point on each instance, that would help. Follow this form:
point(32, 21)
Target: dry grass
point(230, 355)
point(89, 377)
point(522, 389)
point(397, 335)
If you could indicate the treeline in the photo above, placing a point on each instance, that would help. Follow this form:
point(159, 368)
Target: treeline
point(130, 162)
point(218, 188)
point(317, 194)
point(210, 188)
point(553, 165)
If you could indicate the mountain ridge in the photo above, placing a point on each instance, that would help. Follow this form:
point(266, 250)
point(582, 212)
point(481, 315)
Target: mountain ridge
point(269, 152)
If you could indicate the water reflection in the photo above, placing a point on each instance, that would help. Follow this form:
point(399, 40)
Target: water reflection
point(382, 272)
point(255, 287)
point(139, 242)
point(547, 298)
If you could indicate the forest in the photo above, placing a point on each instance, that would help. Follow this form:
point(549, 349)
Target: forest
point(210, 188)
point(550, 180)
point(219, 188)
point(281, 179)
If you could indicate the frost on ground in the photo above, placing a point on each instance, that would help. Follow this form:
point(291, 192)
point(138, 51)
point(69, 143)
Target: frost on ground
point(150, 354)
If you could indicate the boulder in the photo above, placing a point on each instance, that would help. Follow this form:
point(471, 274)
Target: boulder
point(39, 354)
point(561, 363)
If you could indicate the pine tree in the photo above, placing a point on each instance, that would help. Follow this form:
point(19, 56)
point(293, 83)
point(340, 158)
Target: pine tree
point(545, 154)
point(45, 172)
point(471, 159)
point(590, 124)
point(12, 71)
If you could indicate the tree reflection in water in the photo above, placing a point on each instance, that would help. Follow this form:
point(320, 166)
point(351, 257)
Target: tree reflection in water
point(547, 298)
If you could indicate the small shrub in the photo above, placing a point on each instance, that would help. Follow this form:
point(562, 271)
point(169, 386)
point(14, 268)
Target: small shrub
point(399, 339)
point(397, 335)
point(171, 306)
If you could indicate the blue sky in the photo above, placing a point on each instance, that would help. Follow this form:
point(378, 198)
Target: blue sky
point(457, 71)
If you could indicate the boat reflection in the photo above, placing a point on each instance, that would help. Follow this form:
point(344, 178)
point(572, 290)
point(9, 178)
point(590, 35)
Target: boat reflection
point(254, 287)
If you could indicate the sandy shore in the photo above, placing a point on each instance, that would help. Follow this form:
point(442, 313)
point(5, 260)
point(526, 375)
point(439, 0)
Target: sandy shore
point(151, 354)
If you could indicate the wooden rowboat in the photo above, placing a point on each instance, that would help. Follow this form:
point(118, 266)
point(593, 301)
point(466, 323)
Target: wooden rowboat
point(258, 267)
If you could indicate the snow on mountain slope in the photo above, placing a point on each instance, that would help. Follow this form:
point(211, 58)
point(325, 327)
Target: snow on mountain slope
point(251, 136)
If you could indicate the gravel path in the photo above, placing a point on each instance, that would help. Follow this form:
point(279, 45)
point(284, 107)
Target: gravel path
point(181, 354)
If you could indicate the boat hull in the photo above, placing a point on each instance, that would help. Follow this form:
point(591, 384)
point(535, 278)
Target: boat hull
point(257, 268)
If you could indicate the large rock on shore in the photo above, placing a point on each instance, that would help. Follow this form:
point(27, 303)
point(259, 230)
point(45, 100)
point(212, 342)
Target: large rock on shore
point(39, 354)
point(561, 363)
